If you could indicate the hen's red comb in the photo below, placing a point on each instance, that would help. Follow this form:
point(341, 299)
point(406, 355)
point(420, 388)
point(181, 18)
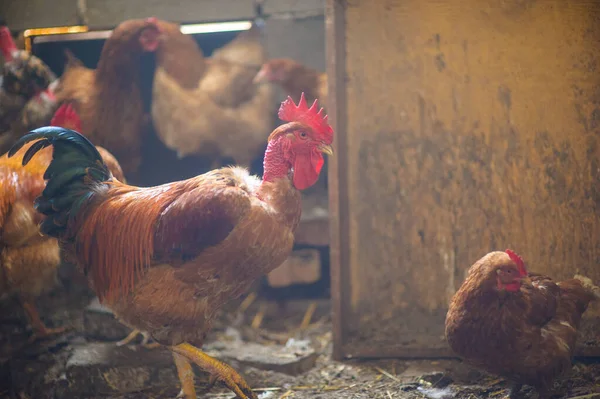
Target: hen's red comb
point(317, 120)
point(518, 260)
point(7, 44)
point(66, 116)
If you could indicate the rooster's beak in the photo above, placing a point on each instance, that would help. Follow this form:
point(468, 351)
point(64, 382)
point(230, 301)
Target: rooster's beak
point(326, 149)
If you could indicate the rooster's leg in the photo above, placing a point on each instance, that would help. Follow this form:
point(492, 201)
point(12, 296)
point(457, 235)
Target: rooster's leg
point(186, 376)
point(39, 328)
point(217, 369)
point(514, 390)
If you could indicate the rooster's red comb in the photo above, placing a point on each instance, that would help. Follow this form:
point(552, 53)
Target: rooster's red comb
point(518, 260)
point(317, 120)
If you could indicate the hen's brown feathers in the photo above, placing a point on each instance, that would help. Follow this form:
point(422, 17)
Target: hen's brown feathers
point(210, 107)
point(108, 99)
point(28, 259)
point(295, 79)
point(527, 336)
point(543, 294)
point(188, 70)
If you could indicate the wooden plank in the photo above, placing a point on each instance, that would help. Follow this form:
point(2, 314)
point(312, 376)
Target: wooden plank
point(461, 128)
point(313, 232)
point(314, 223)
point(335, 57)
point(26, 14)
point(303, 266)
point(351, 352)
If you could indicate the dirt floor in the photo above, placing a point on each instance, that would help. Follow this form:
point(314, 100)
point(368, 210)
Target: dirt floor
point(76, 365)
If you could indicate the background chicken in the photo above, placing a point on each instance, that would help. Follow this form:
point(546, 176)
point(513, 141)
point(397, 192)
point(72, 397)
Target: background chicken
point(210, 107)
point(28, 260)
point(26, 93)
point(294, 78)
point(108, 99)
point(191, 245)
point(520, 326)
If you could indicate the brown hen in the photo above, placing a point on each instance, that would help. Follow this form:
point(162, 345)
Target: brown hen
point(108, 99)
point(29, 260)
point(209, 106)
point(294, 78)
point(520, 326)
point(26, 93)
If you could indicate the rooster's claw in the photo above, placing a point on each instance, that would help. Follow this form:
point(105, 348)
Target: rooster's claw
point(232, 380)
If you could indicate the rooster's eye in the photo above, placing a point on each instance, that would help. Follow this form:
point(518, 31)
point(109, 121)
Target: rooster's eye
point(303, 135)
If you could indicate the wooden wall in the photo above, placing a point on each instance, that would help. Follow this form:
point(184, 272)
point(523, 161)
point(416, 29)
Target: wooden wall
point(462, 127)
point(23, 14)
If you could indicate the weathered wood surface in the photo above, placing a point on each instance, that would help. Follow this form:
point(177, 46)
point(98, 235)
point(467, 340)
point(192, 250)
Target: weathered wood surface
point(464, 127)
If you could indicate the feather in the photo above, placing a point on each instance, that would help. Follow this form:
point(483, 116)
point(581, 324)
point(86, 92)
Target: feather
point(73, 174)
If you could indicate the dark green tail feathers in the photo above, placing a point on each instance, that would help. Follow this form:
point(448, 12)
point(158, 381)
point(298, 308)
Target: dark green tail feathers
point(76, 167)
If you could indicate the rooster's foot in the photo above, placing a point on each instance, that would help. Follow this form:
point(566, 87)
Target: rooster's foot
point(186, 377)
point(218, 370)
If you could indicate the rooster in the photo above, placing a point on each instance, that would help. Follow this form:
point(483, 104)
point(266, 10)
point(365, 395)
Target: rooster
point(209, 106)
point(294, 78)
point(166, 258)
point(515, 324)
point(28, 260)
point(108, 100)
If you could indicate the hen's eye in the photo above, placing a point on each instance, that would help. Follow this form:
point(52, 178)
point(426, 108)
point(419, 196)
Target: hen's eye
point(303, 135)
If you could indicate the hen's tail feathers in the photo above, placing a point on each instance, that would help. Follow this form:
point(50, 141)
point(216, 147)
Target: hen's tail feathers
point(75, 170)
point(71, 59)
point(589, 284)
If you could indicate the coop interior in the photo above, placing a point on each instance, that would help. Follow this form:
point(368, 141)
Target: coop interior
point(436, 236)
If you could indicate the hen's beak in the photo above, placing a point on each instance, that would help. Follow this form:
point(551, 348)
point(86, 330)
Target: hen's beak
point(526, 280)
point(326, 149)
